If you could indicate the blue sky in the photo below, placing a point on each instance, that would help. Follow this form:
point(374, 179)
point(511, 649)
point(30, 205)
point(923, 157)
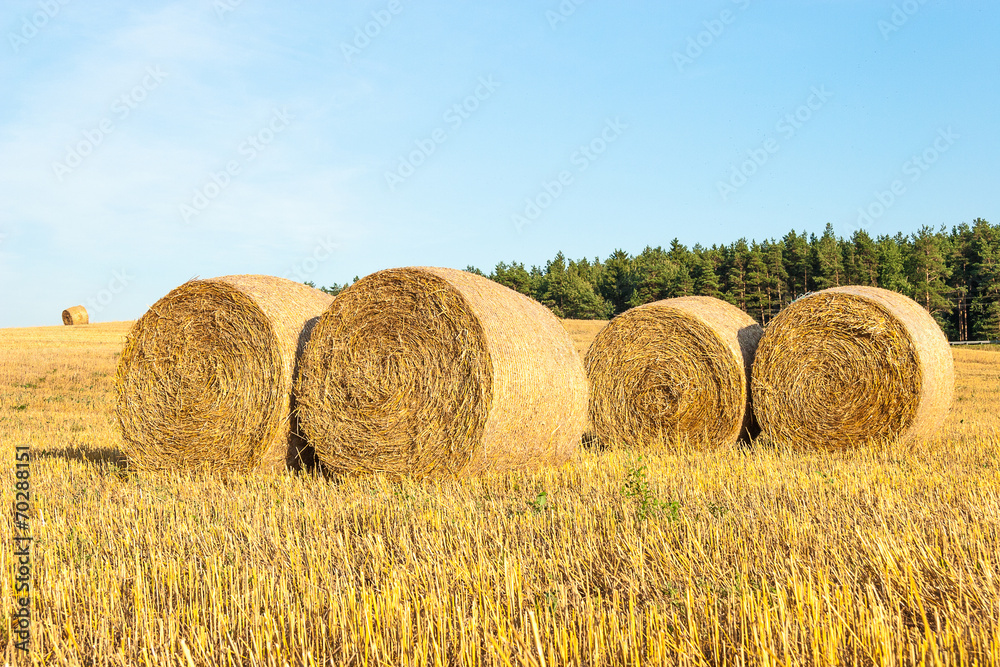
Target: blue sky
point(146, 143)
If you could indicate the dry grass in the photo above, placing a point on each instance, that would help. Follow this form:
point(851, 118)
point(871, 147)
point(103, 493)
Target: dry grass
point(883, 555)
point(437, 372)
point(583, 332)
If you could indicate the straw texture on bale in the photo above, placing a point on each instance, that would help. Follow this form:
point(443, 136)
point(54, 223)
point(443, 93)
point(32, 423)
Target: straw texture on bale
point(75, 315)
point(436, 372)
point(206, 376)
point(852, 364)
point(673, 368)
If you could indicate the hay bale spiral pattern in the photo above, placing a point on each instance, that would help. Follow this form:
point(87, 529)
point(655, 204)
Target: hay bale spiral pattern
point(435, 372)
point(673, 368)
point(852, 364)
point(206, 375)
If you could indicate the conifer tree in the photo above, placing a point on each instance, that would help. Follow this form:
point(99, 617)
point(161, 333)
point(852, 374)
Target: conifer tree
point(737, 259)
point(554, 286)
point(777, 276)
point(928, 271)
point(985, 304)
point(865, 254)
point(682, 283)
point(960, 262)
point(514, 276)
point(580, 301)
point(705, 273)
point(828, 265)
point(653, 273)
point(617, 282)
point(892, 269)
point(757, 302)
point(798, 263)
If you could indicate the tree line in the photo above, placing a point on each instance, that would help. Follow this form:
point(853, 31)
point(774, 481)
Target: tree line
point(954, 274)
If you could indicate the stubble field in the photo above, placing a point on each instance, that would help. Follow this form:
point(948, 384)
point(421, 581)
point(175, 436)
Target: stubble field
point(747, 555)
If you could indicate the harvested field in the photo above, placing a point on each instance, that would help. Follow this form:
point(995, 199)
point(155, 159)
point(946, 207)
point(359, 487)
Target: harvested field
point(583, 332)
point(886, 554)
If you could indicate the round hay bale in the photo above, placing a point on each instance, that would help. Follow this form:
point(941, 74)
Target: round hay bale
point(673, 368)
point(205, 379)
point(852, 364)
point(75, 315)
point(439, 372)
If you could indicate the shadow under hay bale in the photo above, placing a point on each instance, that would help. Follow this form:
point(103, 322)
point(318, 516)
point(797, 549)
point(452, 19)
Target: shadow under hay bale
point(852, 364)
point(75, 315)
point(437, 372)
point(97, 455)
point(673, 369)
point(205, 379)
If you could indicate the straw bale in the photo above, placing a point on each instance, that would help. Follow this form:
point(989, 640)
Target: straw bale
point(852, 364)
point(676, 368)
point(206, 375)
point(75, 315)
point(439, 372)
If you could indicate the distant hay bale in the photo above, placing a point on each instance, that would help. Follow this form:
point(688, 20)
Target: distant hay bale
point(852, 364)
point(75, 315)
point(673, 368)
point(205, 379)
point(436, 372)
